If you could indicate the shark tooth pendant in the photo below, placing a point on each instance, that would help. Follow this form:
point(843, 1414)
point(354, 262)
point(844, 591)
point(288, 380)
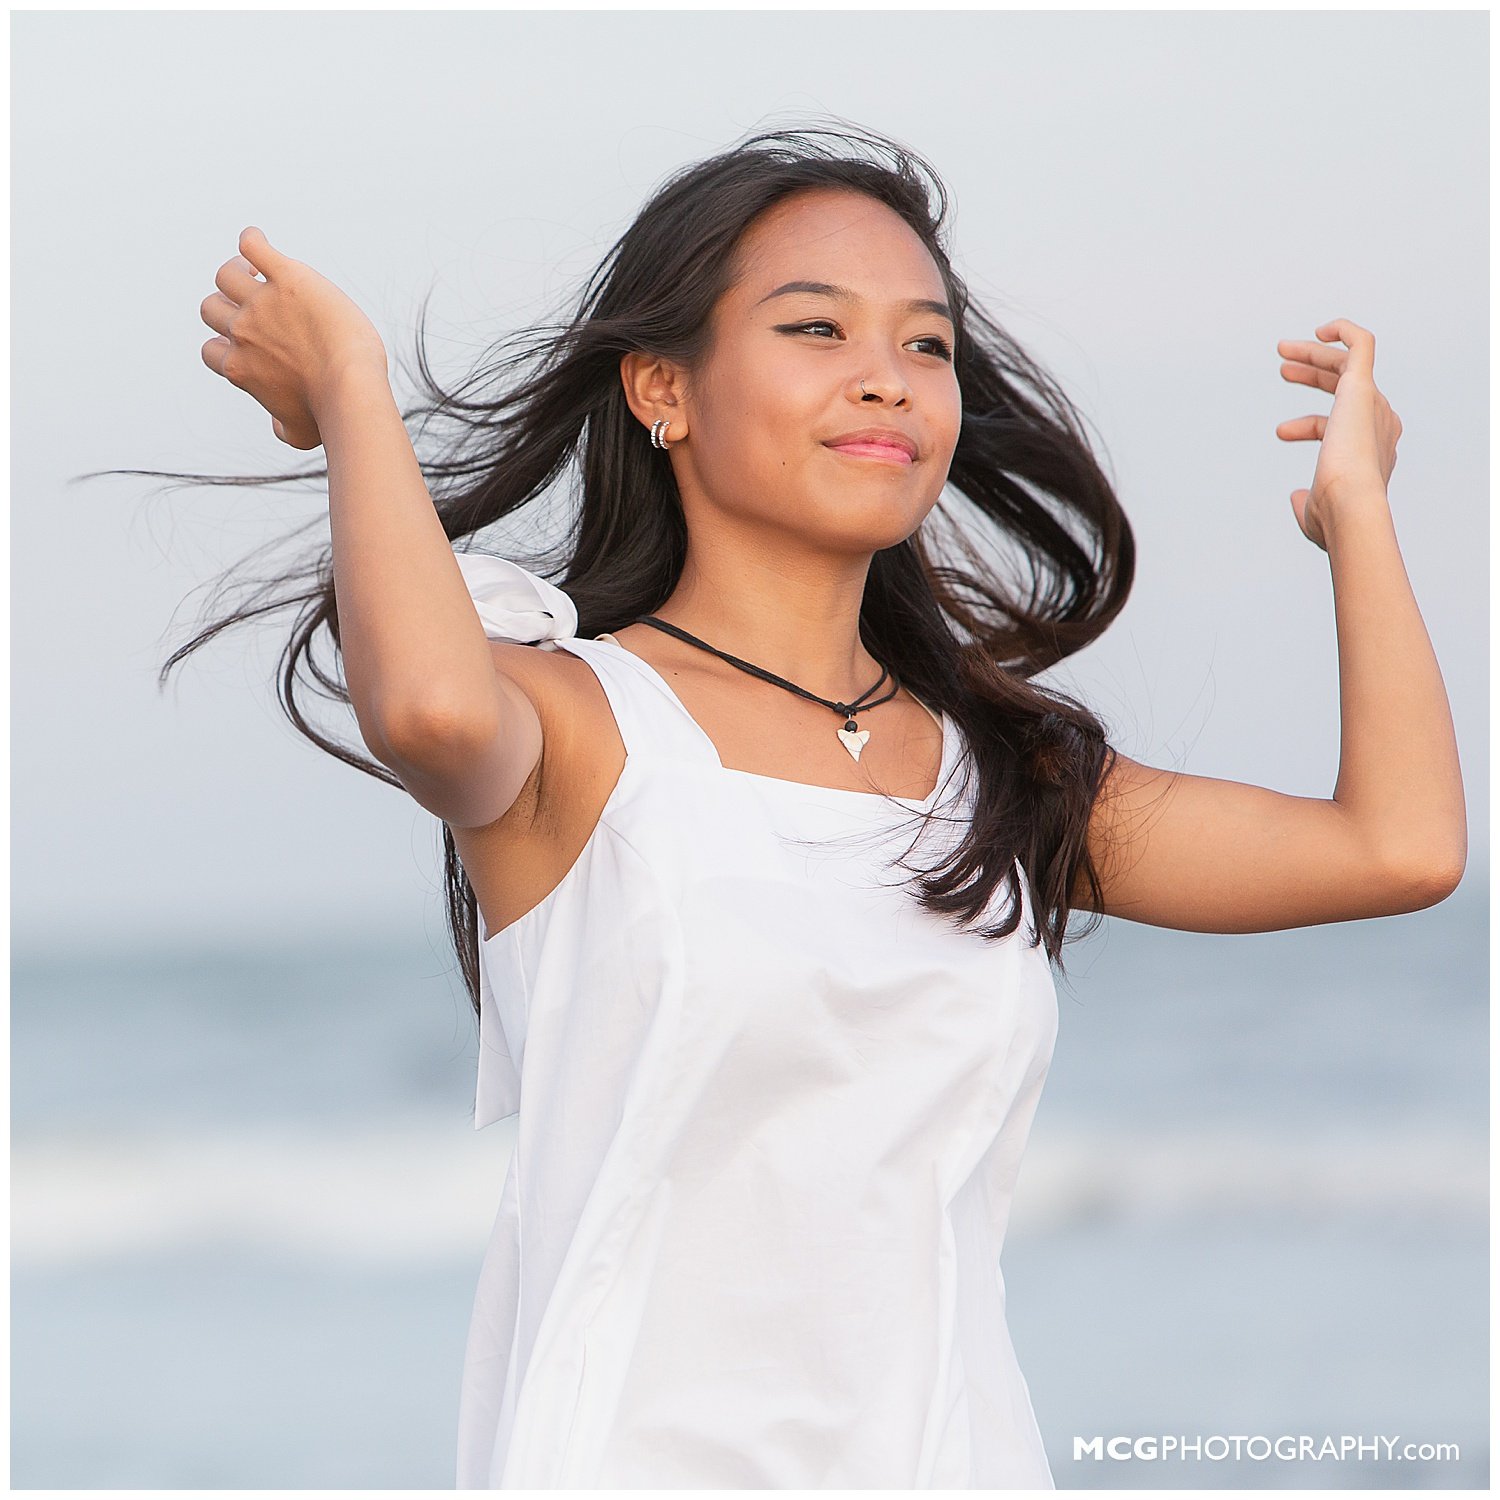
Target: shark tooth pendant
point(854, 739)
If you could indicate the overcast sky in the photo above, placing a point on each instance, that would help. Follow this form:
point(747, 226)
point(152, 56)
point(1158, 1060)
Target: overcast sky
point(1149, 201)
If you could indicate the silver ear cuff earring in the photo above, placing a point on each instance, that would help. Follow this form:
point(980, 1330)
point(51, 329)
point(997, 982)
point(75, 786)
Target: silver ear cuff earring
point(659, 432)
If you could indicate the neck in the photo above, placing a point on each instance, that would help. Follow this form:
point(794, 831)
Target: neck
point(794, 615)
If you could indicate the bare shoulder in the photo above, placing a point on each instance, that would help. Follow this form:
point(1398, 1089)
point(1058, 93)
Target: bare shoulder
point(549, 679)
point(575, 719)
point(518, 859)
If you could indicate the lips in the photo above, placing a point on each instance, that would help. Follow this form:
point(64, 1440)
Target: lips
point(876, 442)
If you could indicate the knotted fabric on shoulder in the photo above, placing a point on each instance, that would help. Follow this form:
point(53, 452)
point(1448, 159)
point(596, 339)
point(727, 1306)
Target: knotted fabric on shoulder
point(515, 604)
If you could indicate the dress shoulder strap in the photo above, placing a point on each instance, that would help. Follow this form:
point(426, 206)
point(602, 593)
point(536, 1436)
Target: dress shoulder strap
point(519, 606)
point(651, 721)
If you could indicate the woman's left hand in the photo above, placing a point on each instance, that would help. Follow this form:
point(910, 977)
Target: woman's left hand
point(1358, 437)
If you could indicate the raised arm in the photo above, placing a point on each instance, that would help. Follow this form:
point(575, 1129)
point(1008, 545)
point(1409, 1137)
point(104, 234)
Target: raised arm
point(1205, 855)
point(429, 698)
point(432, 701)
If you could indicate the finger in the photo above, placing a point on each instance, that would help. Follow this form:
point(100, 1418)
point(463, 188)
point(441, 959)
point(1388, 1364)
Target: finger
point(1359, 341)
point(278, 429)
point(214, 352)
point(237, 278)
point(257, 249)
point(217, 310)
point(1302, 429)
point(1324, 380)
point(1308, 353)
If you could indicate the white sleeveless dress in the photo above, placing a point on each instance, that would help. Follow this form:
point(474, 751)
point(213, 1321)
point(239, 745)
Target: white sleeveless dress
point(771, 1115)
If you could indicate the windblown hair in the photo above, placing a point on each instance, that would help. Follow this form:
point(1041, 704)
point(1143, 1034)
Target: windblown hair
point(549, 408)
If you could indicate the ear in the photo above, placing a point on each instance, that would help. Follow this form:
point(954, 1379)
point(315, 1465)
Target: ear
point(655, 387)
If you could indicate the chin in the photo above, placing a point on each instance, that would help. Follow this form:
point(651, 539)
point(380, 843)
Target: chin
point(865, 524)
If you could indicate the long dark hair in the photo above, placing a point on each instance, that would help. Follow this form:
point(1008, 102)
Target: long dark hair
point(933, 610)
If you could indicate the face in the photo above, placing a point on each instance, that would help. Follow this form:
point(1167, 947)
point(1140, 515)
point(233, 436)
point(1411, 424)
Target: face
point(781, 383)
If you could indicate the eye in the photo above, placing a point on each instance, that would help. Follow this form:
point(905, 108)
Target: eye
point(938, 346)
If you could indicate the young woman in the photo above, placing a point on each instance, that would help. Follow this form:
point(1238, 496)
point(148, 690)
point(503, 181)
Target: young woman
point(772, 1099)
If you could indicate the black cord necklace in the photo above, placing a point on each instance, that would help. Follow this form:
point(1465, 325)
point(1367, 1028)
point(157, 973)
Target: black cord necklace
point(851, 736)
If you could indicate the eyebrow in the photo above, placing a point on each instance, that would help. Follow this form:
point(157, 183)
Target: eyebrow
point(844, 294)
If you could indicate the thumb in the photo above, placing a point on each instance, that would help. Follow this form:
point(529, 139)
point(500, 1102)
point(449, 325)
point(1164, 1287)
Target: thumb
point(257, 249)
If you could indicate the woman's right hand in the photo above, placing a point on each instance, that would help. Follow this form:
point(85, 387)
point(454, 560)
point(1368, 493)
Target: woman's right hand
point(288, 340)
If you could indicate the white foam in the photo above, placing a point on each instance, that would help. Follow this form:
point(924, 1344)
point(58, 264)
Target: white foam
point(425, 1193)
point(411, 1194)
point(1071, 1176)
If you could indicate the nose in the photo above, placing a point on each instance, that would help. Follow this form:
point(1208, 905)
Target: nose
point(890, 389)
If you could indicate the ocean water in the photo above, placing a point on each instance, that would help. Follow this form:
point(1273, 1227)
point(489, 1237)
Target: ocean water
point(248, 1209)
